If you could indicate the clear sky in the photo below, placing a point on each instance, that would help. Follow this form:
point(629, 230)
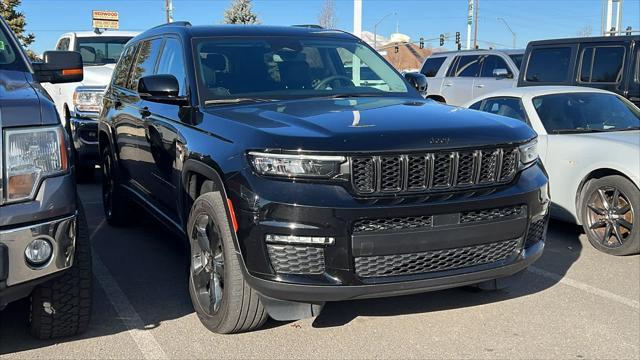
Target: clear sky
point(529, 19)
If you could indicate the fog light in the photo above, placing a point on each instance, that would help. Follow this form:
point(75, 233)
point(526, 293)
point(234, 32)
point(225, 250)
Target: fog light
point(38, 252)
point(305, 240)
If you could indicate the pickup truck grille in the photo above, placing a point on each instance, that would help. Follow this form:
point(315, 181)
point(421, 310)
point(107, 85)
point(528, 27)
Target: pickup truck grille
point(426, 172)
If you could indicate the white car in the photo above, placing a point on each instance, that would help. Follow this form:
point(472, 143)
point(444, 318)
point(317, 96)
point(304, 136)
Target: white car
point(456, 77)
point(589, 142)
point(78, 104)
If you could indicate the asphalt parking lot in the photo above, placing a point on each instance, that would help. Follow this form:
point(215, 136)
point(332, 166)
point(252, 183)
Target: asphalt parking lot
point(574, 303)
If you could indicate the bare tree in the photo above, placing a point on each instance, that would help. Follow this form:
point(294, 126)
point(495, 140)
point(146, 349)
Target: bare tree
point(586, 31)
point(328, 18)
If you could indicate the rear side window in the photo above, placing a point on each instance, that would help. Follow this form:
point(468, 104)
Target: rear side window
point(432, 66)
point(550, 65)
point(493, 62)
point(145, 62)
point(602, 64)
point(465, 66)
point(121, 72)
point(505, 106)
point(517, 59)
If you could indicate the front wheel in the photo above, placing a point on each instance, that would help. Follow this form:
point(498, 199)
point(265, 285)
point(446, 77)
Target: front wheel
point(222, 299)
point(610, 210)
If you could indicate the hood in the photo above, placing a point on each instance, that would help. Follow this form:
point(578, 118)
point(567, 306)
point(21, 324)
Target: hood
point(365, 124)
point(19, 102)
point(612, 138)
point(98, 75)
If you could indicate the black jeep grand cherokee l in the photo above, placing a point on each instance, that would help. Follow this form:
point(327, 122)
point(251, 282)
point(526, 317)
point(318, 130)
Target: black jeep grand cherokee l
point(297, 183)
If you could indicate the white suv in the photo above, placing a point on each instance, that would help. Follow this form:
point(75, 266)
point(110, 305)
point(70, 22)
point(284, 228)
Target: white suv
point(457, 77)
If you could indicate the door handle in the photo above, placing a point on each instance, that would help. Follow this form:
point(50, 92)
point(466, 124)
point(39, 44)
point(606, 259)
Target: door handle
point(145, 112)
point(480, 86)
point(448, 84)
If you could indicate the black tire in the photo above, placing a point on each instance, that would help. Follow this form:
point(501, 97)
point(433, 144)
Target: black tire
point(239, 308)
point(612, 226)
point(115, 203)
point(62, 306)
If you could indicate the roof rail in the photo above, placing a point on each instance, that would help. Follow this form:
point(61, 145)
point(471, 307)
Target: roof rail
point(175, 23)
point(308, 26)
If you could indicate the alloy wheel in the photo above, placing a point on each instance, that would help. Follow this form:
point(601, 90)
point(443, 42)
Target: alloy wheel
point(207, 264)
point(610, 216)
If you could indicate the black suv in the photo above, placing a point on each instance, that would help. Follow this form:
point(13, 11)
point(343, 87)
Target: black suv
point(610, 63)
point(297, 183)
point(44, 242)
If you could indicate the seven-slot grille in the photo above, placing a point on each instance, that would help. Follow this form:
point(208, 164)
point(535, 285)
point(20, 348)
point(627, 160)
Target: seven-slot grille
point(425, 172)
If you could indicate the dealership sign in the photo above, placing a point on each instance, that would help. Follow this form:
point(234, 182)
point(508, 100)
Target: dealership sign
point(105, 19)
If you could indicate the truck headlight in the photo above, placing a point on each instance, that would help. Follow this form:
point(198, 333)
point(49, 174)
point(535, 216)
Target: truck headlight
point(88, 99)
point(31, 155)
point(528, 152)
point(296, 166)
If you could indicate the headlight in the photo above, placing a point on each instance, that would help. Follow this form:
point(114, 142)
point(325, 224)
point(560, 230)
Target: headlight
point(528, 152)
point(285, 165)
point(31, 155)
point(88, 99)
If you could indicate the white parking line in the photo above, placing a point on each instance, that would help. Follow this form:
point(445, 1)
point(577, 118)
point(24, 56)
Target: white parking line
point(587, 288)
point(146, 342)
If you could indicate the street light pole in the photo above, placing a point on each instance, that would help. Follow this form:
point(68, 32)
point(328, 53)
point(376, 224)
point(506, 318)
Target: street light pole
point(375, 29)
point(509, 27)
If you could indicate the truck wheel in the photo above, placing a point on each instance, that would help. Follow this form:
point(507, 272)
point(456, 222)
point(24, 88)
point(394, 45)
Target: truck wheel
point(115, 203)
point(222, 299)
point(610, 211)
point(62, 306)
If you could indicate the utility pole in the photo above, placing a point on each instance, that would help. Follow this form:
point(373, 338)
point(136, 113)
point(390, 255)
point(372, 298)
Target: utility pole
point(469, 22)
point(169, 10)
point(357, 31)
point(475, 22)
point(610, 30)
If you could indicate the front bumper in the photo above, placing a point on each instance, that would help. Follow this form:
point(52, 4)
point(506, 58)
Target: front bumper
point(84, 133)
point(392, 261)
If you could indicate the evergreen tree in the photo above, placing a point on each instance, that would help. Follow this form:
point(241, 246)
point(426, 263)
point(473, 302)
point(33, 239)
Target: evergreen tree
point(16, 20)
point(240, 12)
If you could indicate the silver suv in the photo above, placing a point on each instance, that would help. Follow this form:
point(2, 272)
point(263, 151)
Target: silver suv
point(457, 77)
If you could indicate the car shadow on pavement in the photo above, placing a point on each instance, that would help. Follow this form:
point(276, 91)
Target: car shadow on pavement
point(563, 248)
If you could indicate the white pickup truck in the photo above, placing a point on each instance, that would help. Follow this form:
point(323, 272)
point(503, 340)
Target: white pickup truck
point(79, 103)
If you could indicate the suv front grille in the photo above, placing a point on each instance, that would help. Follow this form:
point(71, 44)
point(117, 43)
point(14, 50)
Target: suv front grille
point(392, 174)
point(434, 261)
point(490, 214)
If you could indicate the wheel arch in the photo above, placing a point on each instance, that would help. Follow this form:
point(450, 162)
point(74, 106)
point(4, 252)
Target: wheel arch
point(595, 174)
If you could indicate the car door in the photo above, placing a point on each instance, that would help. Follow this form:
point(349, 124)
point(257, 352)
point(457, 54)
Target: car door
point(162, 126)
point(457, 87)
point(131, 132)
point(489, 81)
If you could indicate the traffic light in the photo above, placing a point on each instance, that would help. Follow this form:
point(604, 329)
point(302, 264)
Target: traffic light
point(629, 29)
point(458, 37)
point(421, 43)
point(459, 46)
point(441, 39)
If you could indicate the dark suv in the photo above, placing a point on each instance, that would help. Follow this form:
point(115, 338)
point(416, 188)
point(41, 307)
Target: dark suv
point(297, 183)
point(610, 63)
point(44, 241)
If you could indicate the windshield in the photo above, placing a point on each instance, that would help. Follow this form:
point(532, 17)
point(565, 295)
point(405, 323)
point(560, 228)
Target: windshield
point(101, 50)
point(284, 68)
point(9, 58)
point(586, 112)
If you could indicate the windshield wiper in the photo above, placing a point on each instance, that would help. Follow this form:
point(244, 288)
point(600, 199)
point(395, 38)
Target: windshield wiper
point(235, 101)
point(350, 95)
point(579, 130)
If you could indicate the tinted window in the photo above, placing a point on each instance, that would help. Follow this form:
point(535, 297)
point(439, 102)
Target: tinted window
point(101, 49)
point(476, 106)
point(585, 112)
point(172, 62)
point(468, 66)
point(432, 66)
point(121, 72)
point(505, 106)
point(549, 65)
point(517, 59)
point(602, 64)
point(7, 53)
point(63, 44)
point(491, 63)
point(145, 62)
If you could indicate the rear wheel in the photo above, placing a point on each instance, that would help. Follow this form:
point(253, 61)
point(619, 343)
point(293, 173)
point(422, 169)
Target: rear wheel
point(222, 299)
point(610, 209)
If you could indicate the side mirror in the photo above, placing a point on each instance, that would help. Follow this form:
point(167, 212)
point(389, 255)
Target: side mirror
point(502, 74)
point(162, 89)
point(418, 81)
point(59, 67)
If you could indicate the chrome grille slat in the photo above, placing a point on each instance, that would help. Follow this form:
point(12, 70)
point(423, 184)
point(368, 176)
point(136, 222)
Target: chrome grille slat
point(436, 171)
